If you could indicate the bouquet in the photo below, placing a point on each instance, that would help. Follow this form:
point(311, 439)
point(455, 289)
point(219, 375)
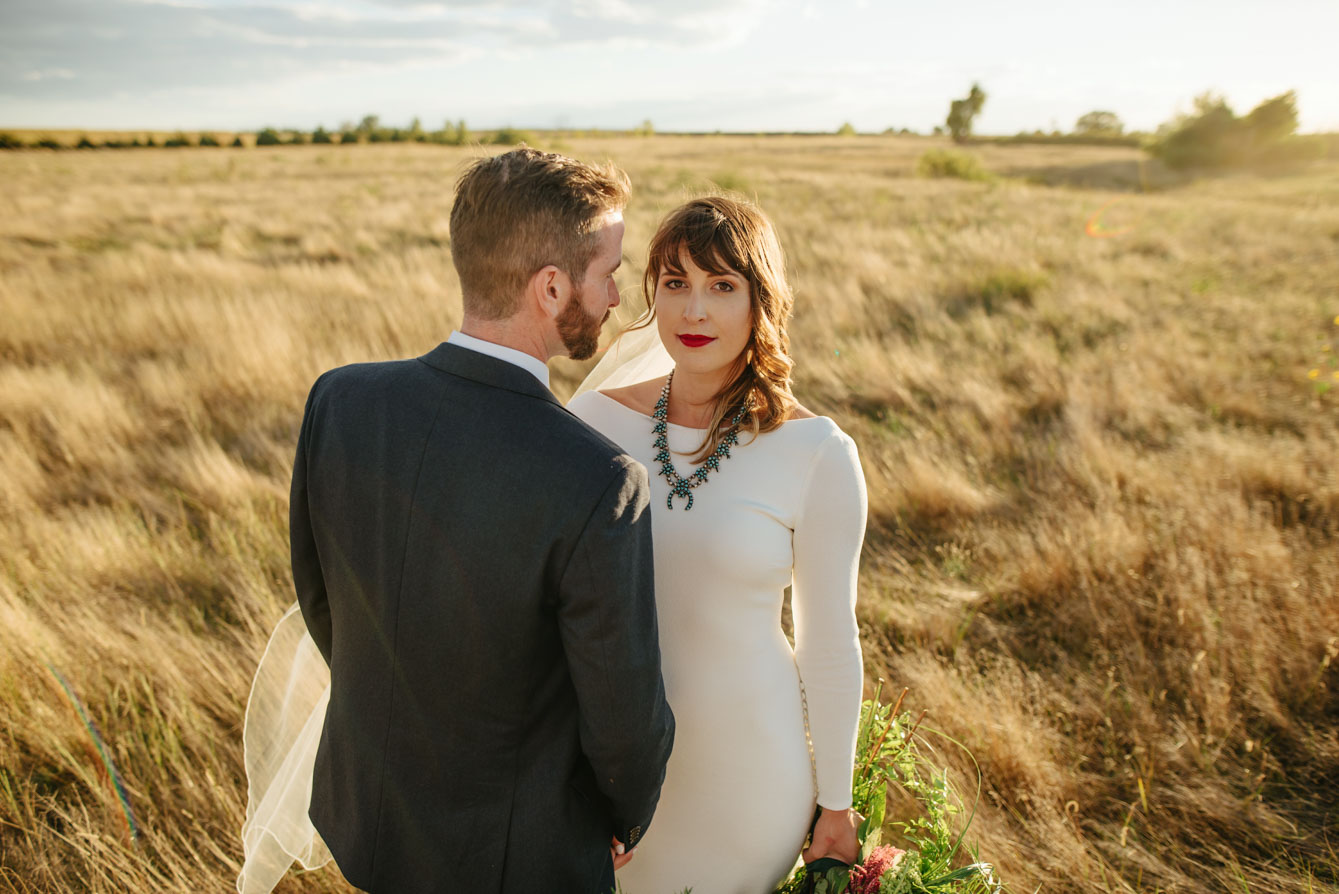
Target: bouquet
point(887, 751)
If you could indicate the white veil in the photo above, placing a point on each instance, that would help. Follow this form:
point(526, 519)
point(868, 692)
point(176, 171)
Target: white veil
point(289, 694)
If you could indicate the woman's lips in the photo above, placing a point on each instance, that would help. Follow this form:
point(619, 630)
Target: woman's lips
point(696, 341)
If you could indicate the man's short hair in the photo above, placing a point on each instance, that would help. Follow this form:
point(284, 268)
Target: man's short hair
point(518, 212)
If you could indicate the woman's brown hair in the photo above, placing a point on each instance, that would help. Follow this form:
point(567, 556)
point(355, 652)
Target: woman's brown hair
point(721, 234)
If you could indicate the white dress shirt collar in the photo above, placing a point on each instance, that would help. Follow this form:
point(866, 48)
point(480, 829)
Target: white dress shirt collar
point(526, 362)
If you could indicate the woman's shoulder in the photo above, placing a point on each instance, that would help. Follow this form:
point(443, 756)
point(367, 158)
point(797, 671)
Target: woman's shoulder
point(640, 397)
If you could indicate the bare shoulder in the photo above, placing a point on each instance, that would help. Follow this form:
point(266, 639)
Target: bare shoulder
point(800, 412)
point(641, 397)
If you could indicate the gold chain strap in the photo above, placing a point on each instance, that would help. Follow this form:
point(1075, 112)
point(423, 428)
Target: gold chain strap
point(808, 739)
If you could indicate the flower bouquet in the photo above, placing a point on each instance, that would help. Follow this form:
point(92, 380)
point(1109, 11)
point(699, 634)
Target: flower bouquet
point(887, 751)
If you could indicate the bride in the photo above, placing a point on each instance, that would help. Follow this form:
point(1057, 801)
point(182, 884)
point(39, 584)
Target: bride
point(776, 499)
point(751, 494)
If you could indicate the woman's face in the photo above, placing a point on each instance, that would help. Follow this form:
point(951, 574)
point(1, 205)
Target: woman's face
point(705, 319)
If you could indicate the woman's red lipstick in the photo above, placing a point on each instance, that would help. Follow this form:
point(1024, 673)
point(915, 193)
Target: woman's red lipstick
point(696, 341)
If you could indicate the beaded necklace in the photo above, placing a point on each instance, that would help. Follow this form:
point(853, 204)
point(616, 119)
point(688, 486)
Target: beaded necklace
point(683, 487)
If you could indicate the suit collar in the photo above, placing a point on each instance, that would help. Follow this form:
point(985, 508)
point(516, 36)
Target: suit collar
point(486, 370)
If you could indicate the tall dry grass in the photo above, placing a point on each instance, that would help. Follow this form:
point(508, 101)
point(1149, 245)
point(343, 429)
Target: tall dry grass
point(1104, 492)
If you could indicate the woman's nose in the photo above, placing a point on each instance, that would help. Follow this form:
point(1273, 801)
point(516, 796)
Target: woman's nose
point(695, 308)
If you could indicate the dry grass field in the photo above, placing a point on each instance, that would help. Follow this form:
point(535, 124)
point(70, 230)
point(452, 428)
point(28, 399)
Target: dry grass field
point(1104, 532)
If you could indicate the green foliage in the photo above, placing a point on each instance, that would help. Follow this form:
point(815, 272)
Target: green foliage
point(961, 113)
point(267, 137)
point(887, 753)
point(48, 143)
point(9, 141)
point(510, 136)
point(1214, 137)
point(347, 137)
point(177, 141)
point(85, 143)
point(1100, 124)
point(237, 142)
point(207, 139)
point(846, 130)
point(321, 135)
point(951, 163)
point(645, 129)
point(296, 138)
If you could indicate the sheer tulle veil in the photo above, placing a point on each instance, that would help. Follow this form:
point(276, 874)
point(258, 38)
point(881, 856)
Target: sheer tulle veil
point(286, 708)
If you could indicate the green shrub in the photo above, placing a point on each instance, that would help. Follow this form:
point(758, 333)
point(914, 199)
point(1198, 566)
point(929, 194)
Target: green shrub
point(846, 130)
point(9, 141)
point(237, 142)
point(510, 136)
point(208, 139)
point(267, 137)
point(85, 143)
point(950, 163)
point(1214, 137)
point(178, 141)
point(348, 137)
point(48, 143)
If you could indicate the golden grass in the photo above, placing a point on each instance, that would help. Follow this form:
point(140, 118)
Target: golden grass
point(1104, 492)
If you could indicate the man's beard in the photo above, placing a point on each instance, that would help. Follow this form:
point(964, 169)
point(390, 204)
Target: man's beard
point(579, 330)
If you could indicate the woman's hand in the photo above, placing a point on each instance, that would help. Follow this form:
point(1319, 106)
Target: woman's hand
point(834, 836)
point(616, 850)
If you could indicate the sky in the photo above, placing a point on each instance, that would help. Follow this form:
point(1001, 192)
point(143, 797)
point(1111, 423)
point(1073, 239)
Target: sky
point(685, 65)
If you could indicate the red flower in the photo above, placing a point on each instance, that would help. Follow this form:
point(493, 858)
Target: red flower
point(865, 877)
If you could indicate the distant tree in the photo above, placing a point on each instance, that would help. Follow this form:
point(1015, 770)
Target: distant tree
point(961, 112)
point(48, 143)
point(237, 142)
point(177, 141)
point(1099, 124)
point(938, 131)
point(207, 139)
point(462, 133)
point(416, 133)
point(510, 136)
point(1213, 136)
point(296, 138)
point(9, 141)
point(846, 130)
point(645, 129)
point(268, 137)
point(321, 135)
point(399, 136)
point(85, 143)
point(1273, 120)
point(148, 141)
point(377, 136)
point(348, 136)
point(369, 125)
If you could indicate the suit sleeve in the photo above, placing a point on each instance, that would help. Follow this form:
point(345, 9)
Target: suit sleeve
point(607, 618)
point(826, 542)
point(308, 579)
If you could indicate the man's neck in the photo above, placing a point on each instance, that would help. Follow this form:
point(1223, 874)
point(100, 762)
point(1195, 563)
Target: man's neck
point(509, 335)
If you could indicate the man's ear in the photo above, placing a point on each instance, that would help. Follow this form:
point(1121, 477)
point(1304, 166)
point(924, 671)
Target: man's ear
point(549, 290)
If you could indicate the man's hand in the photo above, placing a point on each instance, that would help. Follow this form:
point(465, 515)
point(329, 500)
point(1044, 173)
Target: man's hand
point(616, 851)
point(834, 836)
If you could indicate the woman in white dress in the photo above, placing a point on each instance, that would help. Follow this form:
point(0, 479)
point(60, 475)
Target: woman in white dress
point(778, 501)
point(751, 494)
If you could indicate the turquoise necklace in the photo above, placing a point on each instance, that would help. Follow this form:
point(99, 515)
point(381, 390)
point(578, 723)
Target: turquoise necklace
point(683, 487)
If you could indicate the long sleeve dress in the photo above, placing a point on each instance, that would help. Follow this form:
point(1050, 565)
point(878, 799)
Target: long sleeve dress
point(786, 509)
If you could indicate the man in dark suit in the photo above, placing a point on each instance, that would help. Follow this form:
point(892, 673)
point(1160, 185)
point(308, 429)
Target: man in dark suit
point(474, 563)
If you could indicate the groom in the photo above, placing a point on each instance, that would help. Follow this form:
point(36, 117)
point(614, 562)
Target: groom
point(474, 563)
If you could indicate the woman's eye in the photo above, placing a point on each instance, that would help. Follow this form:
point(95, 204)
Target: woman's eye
point(725, 286)
point(673, 283)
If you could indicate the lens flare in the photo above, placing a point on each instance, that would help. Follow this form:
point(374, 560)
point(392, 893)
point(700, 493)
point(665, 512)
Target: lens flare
point(103, 752)
point(1094, 226)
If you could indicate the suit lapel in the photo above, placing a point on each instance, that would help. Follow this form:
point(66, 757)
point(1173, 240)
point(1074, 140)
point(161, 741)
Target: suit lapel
point(486, 370)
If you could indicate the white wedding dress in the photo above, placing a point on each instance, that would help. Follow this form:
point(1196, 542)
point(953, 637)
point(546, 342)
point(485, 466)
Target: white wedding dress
point(786, 509)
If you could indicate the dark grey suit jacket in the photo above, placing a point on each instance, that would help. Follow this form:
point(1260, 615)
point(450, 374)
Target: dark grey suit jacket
point(474, 563)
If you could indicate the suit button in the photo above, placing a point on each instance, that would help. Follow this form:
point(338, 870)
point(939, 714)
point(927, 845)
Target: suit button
point(633, 835)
